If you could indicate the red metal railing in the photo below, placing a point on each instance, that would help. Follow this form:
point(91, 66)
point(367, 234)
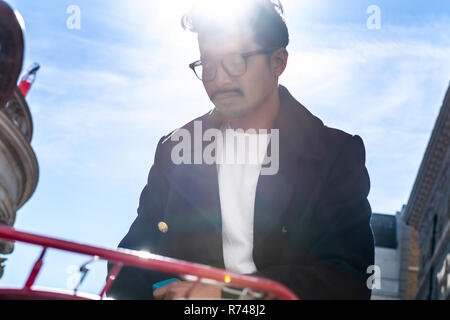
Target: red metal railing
point(122, 257)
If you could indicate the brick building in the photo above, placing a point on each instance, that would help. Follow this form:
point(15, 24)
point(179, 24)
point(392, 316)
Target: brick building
point(428, 212)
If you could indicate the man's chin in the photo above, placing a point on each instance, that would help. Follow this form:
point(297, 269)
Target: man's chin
point(230, 112)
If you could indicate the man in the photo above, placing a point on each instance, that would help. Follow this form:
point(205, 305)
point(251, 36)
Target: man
point(305, 225)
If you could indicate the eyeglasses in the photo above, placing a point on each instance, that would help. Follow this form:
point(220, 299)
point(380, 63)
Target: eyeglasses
point(235, 64)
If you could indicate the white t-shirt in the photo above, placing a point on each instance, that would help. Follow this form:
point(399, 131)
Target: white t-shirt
point(238, 172)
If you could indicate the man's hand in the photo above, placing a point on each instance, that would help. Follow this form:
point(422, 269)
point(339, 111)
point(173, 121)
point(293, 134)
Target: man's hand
point(178, 290)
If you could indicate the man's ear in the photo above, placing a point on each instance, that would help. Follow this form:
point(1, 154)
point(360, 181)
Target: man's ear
point(279, 61)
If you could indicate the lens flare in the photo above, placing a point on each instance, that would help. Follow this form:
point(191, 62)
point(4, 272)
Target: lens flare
point(144, 254)
point(222, 11)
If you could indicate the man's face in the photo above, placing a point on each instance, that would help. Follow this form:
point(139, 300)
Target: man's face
point(233, 96)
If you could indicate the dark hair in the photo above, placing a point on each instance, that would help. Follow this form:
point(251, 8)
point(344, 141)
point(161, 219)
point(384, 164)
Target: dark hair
point(265, 18)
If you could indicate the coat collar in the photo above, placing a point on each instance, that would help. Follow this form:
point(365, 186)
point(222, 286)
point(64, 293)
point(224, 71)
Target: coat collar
point(299, 129)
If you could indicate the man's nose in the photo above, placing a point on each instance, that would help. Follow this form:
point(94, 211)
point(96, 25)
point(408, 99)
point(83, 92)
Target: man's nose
point(222, 76)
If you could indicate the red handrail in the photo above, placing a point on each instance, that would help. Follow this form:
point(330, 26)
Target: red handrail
point(35, 271)
point(147, 261)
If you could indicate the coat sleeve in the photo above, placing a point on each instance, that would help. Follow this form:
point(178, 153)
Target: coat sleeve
point(342, 244)
point(143, 235)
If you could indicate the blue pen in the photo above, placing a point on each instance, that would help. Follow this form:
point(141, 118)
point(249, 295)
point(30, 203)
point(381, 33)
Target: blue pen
point(163, 283)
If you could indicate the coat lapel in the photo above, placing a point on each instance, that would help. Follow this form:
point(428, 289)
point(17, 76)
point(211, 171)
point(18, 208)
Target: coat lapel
point(198, 183)
point(300, 149)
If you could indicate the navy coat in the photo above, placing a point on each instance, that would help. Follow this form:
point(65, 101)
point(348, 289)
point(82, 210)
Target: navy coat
point(311, 221)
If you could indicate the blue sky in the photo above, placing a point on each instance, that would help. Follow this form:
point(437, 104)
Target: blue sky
point(107, 92)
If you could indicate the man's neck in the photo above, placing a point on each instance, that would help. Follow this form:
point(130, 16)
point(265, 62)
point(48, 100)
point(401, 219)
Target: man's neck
point(262, 117)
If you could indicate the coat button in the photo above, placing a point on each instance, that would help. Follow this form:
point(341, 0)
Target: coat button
point(163, 227)
point(283, 230)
